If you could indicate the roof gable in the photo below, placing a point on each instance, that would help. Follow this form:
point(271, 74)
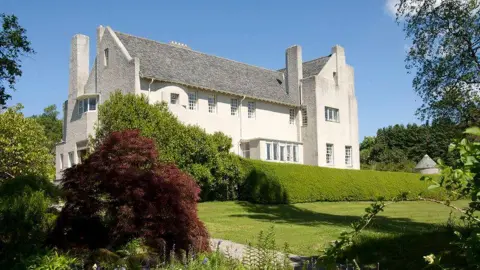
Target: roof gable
point(176, 64)
point(426, 163)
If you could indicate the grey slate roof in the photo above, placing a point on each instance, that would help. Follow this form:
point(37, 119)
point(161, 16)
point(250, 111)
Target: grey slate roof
point(182, 65)
point(312, 67)
point(426, 163)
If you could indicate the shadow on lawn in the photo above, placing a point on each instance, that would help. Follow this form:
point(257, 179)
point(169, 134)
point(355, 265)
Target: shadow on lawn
point(291, 214)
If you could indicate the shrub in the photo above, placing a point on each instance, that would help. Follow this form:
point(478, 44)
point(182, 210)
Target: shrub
point(268, 182)
point(25, 223)
point(28, 183)
point(52, 260)
point(205, 157)
point(121, 192)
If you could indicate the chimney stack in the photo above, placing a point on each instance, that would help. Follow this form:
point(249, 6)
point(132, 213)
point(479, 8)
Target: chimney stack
point(79, 64)
point(294, 68)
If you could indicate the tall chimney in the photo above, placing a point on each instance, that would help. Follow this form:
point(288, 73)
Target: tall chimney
point(100, 32)
point(79, 64)
point(339, 52)
point(294, 68)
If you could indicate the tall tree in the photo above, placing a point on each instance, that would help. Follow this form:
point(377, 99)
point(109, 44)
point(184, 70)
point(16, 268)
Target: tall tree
point(13, 45)
point(51, 125)
point(23, 146)
point(444, 55)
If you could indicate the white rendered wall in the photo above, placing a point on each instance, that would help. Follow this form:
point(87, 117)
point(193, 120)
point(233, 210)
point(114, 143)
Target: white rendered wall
point(271, 120)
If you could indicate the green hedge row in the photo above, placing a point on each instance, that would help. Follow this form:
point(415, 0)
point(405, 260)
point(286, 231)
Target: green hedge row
point(268, 182)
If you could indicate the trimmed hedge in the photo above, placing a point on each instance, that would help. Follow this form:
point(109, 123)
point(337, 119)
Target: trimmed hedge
point(268, 182)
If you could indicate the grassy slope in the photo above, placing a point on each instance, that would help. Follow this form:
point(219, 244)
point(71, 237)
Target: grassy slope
point(308, 227)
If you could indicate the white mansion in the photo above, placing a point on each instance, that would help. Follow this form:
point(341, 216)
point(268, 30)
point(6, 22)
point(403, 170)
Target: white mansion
point(305, 113)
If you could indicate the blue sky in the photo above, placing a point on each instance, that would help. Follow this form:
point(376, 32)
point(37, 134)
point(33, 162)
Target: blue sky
point(254, 32)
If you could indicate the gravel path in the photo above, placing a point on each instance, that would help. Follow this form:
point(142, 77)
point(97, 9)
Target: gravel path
point(236, 251)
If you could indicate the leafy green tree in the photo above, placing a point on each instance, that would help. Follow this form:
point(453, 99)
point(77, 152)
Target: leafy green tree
point(24, 148)
point(444, 55)
point(204, 156)
point(13, 45)
point(51, 125)
point(399, 147)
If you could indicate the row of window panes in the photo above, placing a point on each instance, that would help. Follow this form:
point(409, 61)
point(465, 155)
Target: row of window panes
point(81, 154)
point(330, 154)
point(88, 104)
point(282, 152)
point(332, 115)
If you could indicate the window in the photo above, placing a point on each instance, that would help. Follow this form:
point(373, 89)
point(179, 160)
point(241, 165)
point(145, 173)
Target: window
point(329, 156)
point(192, 101)
point(70, 159)
point(174, 98)
point(88, 104)
point(233, 106)
point(212, 104)
point(348, 155)
point(292, 116)
point(92, 104)
point(81, 154)
point(105, 57)
point(295, 154)
point(332, 115)
point(61, 161)
point(251, 109)
point(282, 153)
point(304, 117)
point(80, 107)
point(275, 151)
point(289, 152)
point(269, 146)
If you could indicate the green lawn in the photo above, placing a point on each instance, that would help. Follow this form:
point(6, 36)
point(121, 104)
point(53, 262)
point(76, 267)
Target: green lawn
point(308, 227)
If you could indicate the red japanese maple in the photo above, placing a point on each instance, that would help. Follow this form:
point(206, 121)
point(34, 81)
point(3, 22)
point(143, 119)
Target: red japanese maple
point(122, 192)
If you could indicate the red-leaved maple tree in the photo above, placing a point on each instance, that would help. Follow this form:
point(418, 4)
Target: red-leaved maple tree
point(122, 192)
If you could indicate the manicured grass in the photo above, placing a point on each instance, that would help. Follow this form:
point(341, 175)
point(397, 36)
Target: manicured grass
point(308, 227)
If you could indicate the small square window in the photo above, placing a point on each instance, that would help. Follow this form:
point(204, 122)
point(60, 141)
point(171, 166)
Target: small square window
point(105, 57)
point(212, 104)
point(304, 117)
point(292, 116)
point(251, 109)
point(329, 154)
point(192, 101)
point(332, 115)
point(174, 98)
point(348, 155)
point(233, 106)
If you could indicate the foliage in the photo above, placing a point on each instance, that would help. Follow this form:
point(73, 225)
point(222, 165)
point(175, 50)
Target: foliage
point(27, 183)
point(464, 180)
point(269, 182)
point(264, 254)
point(444, 54)
point(205, 157)
point(121, 192)
point(53, 260)
point(23, 146)
point(51, 125)
point(399, 147)
point(13, 45)
point(26, 222)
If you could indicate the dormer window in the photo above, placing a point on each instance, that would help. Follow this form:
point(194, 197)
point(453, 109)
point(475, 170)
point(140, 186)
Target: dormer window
point(105, 57)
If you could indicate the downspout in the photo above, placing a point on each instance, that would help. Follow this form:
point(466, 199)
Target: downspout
point(148, 97)
point(241, 130)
